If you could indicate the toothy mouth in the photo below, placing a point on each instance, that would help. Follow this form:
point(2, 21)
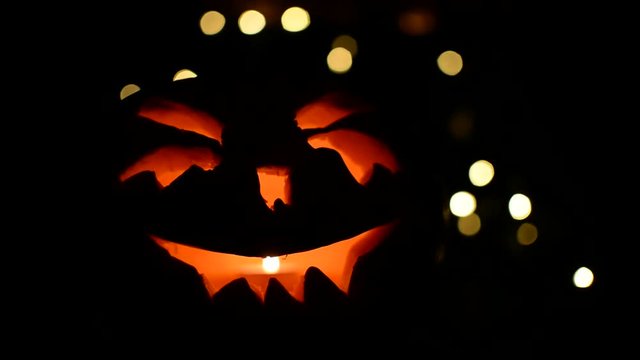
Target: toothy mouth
point(225, 244)
point(314, 197)
point(335, 261)
point(220, 210)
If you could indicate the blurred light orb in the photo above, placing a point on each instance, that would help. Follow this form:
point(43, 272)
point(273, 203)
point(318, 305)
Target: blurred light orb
point(417, 22)
point(462, 204)
point(339, 60)
point(212, 22)
point(295, 19)
point(519, 206)
point(128, 90)
point(527, 234)
point(461, 124)
point(347, 42)
point(450, 63)
point(184, 74)
point(469, 225)
point(251, 22)
point(583, 277)
point(481, 173)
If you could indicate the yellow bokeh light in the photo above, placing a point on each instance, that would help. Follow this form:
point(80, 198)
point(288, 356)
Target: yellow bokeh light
point(251, 22)
point(583, 277)
point(481, 173)
point(347, 42)
point(519, 206)
point(212, 22)
point(339, 60)
point(461, 124)
point(295, 19)
point(527, 234)
point(184, 74)
point(469, 225)
point(462, 204)
point(128, 90)
point(271, 264)
point(450, 62)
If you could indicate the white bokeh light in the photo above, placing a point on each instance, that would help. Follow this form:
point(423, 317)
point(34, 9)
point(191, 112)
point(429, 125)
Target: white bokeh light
point(251, 22)
point(462, 204)
point(519, 206)
point(583, 277)
point(481, 173)
point(295, 19)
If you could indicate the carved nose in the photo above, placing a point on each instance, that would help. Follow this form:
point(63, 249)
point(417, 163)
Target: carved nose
point(274, 184)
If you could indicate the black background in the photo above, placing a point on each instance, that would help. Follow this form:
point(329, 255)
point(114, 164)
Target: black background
point(487, 297)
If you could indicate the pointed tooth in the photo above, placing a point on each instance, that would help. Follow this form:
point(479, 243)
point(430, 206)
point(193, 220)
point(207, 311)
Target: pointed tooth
point(236, 299)
point(144, 182)
point(278, 301)
point(321, 295)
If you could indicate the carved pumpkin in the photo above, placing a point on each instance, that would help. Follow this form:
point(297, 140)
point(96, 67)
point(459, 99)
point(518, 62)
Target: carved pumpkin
point(234, 193)
point(262, 155)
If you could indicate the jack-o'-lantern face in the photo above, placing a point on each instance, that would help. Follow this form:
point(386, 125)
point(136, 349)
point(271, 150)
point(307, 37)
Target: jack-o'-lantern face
point(258, 193)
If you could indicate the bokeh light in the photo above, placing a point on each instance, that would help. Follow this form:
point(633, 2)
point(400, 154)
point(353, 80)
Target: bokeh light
point(251, 22)
point(417, 22)
point(184, 74)
point(128, 90)
point(450, 63)
point(469, 225)
point(519, 206)
point(583, 277)
point(462, 204)
point(461, 124)
point(481, 173)
point(295, 19)
point(347, 42)
point(527, 234)
point(339, 60)
point(212, 22)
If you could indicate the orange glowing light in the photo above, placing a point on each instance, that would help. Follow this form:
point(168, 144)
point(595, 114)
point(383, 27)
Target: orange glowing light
point(169, 162)
point(183, 117)
point(271, 264)
point(274, 184)
point(359, 152)
point(336, 261)
point(325, 111)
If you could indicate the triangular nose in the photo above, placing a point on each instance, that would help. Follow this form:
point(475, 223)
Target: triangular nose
point(274, 184)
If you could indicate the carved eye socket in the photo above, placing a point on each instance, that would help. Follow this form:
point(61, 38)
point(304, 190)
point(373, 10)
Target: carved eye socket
point(170, 161)
point(359, 151)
